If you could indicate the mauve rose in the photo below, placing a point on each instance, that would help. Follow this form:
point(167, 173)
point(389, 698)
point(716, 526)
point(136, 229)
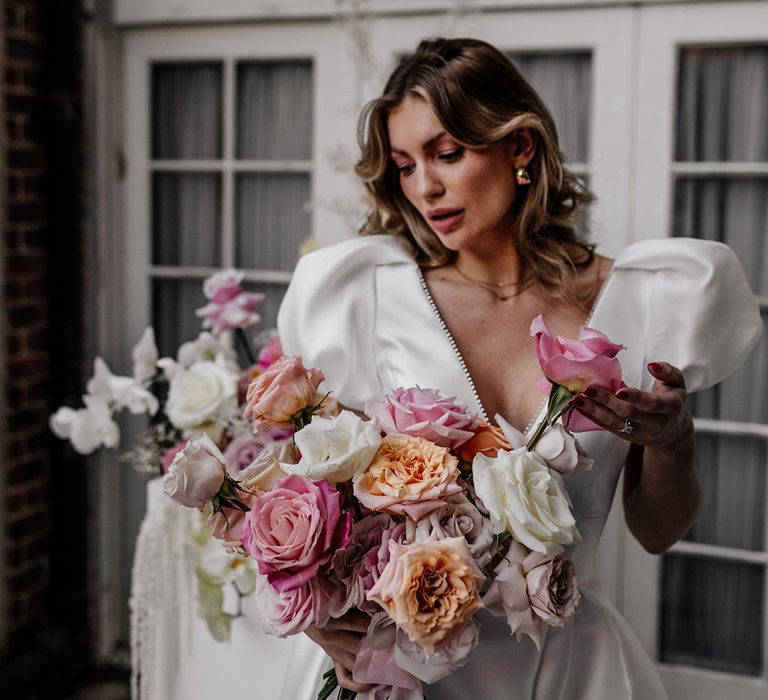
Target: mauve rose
point(577, 364)
point(241, 452)
point(375, 664)
point(451, 655)
point(531, 590)
point(294, 530)
point(408, 476)
point(357, 567)
point(458, 517)
point(429, 589)
point(557, 446)
point(229, 306)
point(196, 473)
point(562, 451)
point(288, 612)
point(424, 413)
point(281, 392)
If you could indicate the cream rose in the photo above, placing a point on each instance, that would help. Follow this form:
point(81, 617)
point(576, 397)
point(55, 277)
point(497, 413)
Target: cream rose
point(430, 589)
point(197, 395)
point(196, 473)
point(264, 472)
point(336, 448)
point(562, 451)
point(524, 497)
point(408, 475)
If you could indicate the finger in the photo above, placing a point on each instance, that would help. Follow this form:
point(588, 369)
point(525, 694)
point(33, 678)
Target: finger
point(669, 374)
point(345, 679)
point(353, 621)
point(642, 400)
point(615, 404)
point(603, 416)
point(348, 642)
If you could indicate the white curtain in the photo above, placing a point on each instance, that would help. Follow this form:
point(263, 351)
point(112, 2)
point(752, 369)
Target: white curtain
point(712, 611)
point(273, 122)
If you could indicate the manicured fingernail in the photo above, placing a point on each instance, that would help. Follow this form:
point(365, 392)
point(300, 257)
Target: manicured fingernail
point(577, 400)
point(655, 367)
point(589, 391)
point(622, 394)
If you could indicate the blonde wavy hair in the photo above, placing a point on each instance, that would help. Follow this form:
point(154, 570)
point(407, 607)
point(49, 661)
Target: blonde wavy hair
point(480, 98)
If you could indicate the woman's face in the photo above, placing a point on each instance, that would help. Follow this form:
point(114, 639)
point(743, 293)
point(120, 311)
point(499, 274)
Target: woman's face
point(465, 195)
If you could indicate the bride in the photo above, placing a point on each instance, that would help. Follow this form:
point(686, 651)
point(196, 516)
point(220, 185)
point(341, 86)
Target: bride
point(475, 230)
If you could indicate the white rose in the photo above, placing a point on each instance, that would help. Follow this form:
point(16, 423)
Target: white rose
point(196, 473)
point(266, 469)
point(335, 448)
point(524, 497)
point(197, 395)
point(562, 451)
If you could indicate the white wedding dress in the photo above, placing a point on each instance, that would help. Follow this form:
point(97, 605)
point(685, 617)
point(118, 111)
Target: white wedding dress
point(359, 311)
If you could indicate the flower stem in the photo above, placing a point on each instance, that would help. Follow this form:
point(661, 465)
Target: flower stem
point(246, 344)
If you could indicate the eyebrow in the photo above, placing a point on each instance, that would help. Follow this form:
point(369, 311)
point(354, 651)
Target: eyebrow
point(424, 146)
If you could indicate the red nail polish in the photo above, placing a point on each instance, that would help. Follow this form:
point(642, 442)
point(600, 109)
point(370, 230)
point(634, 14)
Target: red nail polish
point(577, 401)
point(655, 367)
point(589, 391)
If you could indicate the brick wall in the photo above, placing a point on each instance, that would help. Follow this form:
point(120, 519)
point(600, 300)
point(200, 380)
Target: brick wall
point(27, 463)
point(44, 562)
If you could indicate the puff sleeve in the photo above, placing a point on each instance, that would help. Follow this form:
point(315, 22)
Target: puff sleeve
point(703, 316)
point(328, 313)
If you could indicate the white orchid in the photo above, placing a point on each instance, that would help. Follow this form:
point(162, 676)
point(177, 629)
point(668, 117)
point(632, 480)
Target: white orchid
point(86, 428)
point(120, 392)
point(145, 356)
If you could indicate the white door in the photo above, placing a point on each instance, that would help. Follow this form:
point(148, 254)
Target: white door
point(702, 170)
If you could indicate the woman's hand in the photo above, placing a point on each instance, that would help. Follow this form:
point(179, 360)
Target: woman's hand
point(340, 639)
point(662, 495)
point(657, 419)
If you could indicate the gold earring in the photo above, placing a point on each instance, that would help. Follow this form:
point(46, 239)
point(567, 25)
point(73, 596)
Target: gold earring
point(522, 177)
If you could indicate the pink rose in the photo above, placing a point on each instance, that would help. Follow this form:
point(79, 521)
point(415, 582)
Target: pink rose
point(276, 397)
point(294, 530)
point(577, 364)
point(196, 473)
point(270, 353)
point(170, 453)
point(229, 306)
point(533, 589)
point(430, 590)
point(424, 413)
point(227, 524)
point(241, 452)
point(409, 476)
point(290, 611)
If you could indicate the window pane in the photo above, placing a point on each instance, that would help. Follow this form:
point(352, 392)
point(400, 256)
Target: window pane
point(274, 110)
point(272, 220)
point(722, 108)
point(186, 219)
point(186, 110)
point(732, 472)
point(173, 313)
point(731, 210)
point(712, 614)
point(564, 83)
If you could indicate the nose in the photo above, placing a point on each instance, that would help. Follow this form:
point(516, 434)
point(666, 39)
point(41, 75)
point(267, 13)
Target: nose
point(429, 183)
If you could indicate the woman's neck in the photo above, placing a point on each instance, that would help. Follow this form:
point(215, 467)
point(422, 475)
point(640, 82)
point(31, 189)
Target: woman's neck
point(493, 266)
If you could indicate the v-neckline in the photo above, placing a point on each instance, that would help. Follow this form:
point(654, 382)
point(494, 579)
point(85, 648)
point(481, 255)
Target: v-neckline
point(462, 363)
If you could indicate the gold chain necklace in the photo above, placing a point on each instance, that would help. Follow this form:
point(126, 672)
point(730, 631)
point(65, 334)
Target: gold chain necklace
point(492, 287)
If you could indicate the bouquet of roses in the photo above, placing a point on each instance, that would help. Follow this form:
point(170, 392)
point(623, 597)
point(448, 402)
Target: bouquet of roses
point(417, 513)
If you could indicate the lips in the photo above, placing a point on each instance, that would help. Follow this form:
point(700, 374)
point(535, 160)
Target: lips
point(445, 220)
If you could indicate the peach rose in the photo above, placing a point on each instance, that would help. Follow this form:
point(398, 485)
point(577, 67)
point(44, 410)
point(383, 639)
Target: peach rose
point(430, 589)
point(487, 440)
point(279, 395)
point(408, 476)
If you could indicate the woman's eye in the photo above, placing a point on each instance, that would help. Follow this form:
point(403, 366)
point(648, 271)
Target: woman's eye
point(405, 169)
point(455, 154)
